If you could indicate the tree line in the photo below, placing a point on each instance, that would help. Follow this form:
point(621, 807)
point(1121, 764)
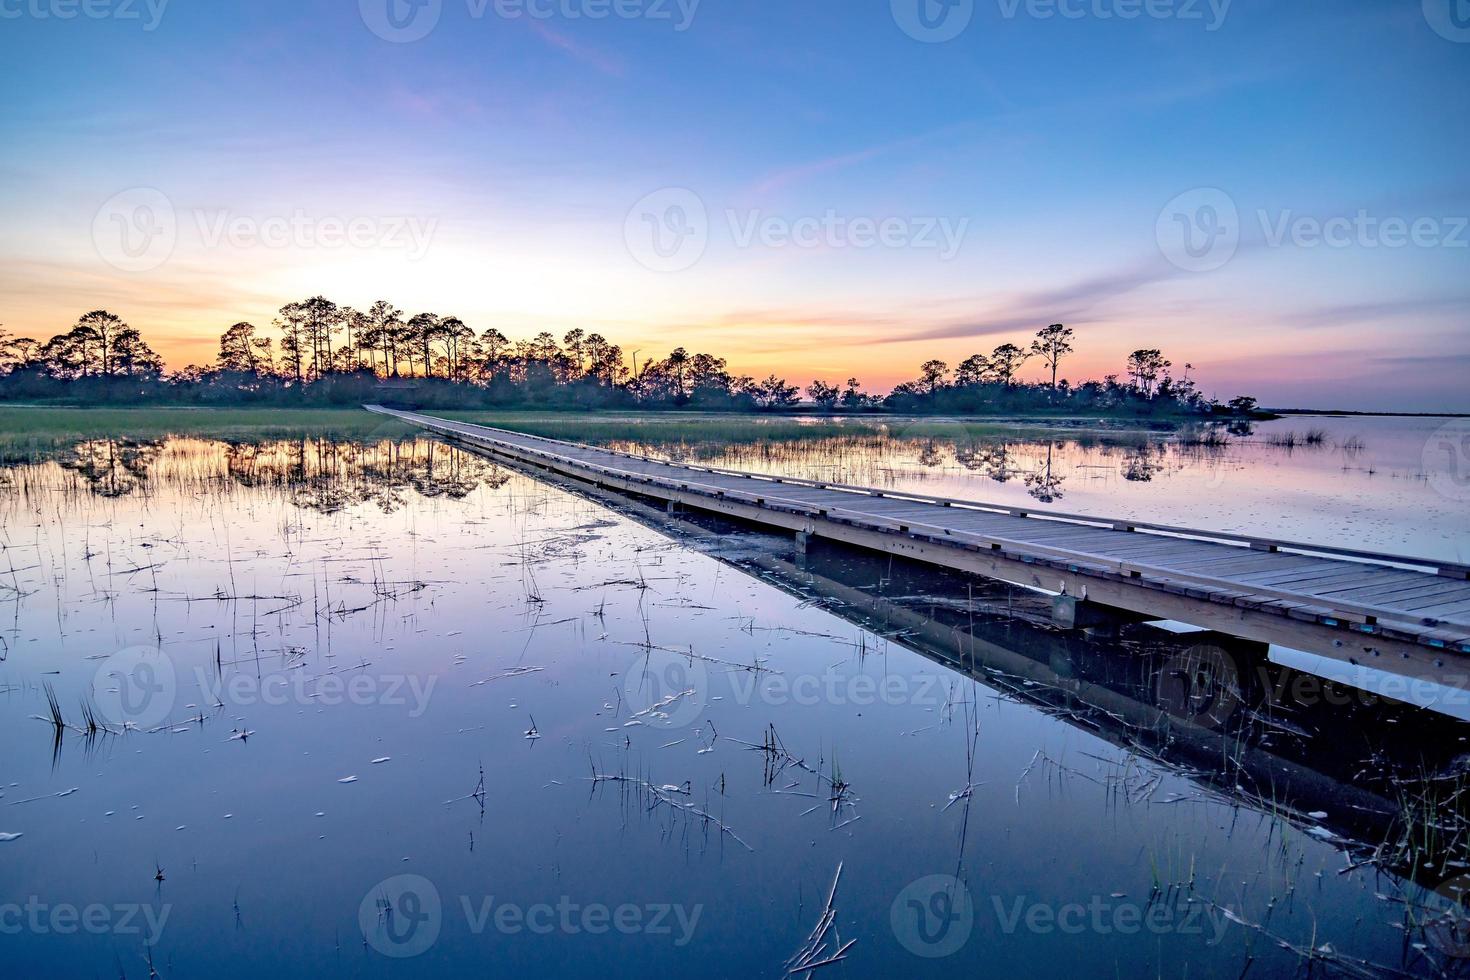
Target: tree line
point(321, 353)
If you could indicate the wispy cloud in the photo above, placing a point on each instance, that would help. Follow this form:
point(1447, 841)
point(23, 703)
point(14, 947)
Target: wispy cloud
point(1337, 315)
point(587, 55)
point(1072, 302)
point(796, 173)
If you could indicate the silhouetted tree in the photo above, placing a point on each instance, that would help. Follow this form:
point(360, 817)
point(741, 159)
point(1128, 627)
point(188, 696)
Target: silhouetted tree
point(1005, 361)
point(823, 394)
point(1144, 368)
point(931, 376)
point(774, 392)
point(973, 370)
point(1051, 345)
point(239, 348)
point(1242, 405)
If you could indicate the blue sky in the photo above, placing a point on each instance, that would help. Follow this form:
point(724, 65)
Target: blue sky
point(1049, 146)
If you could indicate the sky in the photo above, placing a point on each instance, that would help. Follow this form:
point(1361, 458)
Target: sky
point(1275, 193)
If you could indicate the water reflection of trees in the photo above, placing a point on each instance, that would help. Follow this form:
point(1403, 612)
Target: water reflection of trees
point(327, 475)
point(110, 467)
point(992, 459)
point(317, 473)
point(1142, 463)
point(1043, 483)
point(1043, 465)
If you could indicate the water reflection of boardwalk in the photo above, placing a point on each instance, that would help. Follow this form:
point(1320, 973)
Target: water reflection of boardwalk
point(1396, 613)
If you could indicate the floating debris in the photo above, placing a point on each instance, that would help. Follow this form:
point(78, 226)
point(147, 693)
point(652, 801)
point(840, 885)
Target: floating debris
point(7, 838)
point(505, 675)
point(348, 779)
point(51, 796)
point(813, 953)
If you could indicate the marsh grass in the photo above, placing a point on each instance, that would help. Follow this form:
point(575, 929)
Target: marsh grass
point(695, 428)
point(50, 422)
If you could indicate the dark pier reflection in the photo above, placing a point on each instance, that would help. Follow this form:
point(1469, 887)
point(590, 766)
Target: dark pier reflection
point(1337, 761)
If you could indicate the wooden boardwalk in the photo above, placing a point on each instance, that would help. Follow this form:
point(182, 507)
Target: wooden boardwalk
point(1391, 612)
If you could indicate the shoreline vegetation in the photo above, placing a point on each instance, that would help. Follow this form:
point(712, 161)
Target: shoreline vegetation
point(100, 420)
point(326, 355)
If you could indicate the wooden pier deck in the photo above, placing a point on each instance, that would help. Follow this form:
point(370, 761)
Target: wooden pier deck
point(1396, 613)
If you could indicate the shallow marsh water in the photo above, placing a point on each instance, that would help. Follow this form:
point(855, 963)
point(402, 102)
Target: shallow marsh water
point(376, 706)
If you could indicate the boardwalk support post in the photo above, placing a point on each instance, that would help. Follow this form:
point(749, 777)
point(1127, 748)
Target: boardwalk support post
point(1072, 613)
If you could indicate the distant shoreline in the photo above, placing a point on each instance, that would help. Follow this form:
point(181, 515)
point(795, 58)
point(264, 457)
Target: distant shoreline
point(1356, 414)
point(1160, 421)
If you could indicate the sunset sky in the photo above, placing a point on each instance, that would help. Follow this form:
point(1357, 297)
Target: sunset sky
point(512, 169)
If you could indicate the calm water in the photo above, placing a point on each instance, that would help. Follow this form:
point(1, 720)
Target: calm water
point(379, 707)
